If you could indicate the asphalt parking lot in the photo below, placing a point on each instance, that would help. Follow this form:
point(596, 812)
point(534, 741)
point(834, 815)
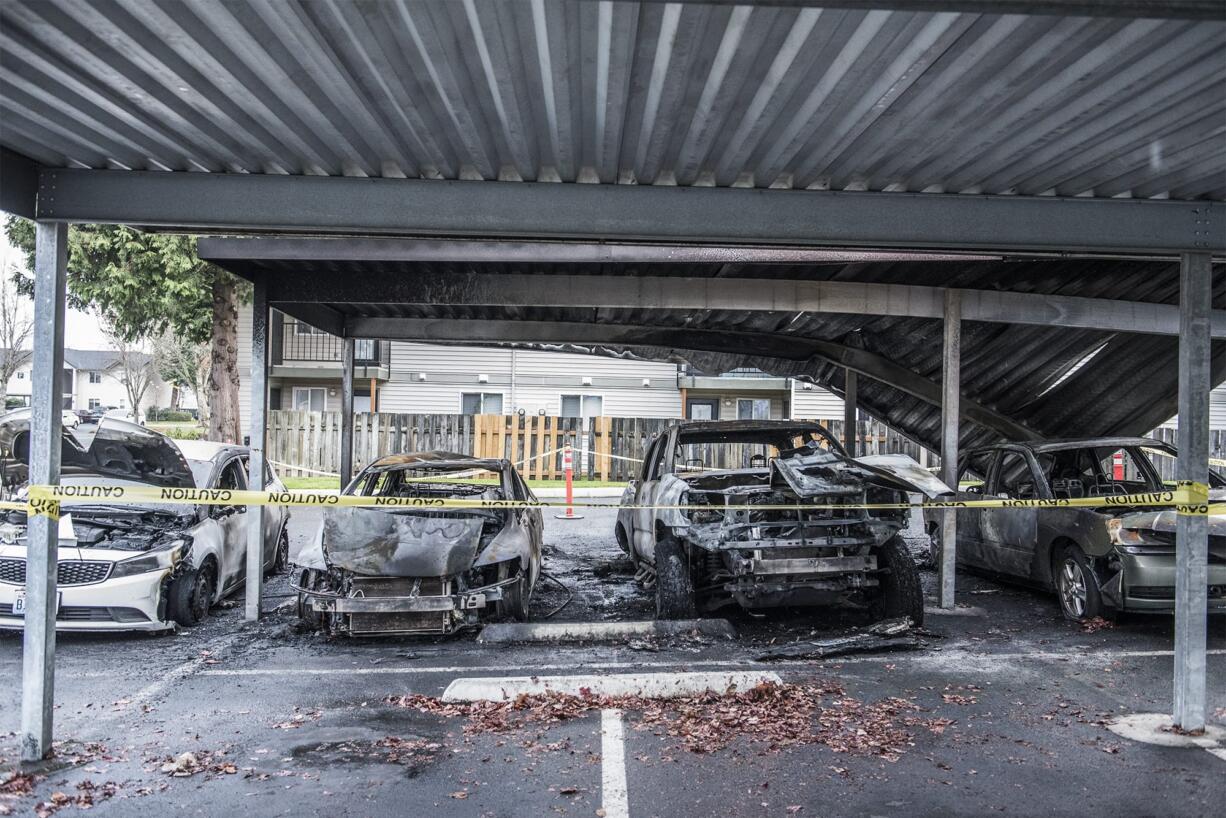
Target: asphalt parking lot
point(1003, 712)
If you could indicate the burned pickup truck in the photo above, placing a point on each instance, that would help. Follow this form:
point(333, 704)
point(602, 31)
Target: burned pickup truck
point(768, 514)
point(418, 570)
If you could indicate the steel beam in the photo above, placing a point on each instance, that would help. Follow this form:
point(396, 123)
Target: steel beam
point(951, 381)
point(1161, 9)
point(42, 548)
point(1192, 529)
point(347, 205)
point(738, 294)
point(256, 517)
point(849, 411)
point(368, 250)
point(785, 348)
point(347, 412)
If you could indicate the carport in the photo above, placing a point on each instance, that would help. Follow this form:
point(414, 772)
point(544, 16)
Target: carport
point(839, 191)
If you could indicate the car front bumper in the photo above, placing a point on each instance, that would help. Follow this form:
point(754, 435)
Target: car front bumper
point(123, 604)
point(1148, 583)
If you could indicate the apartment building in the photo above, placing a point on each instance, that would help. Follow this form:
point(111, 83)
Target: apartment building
point(437, 379)
point(92, 378)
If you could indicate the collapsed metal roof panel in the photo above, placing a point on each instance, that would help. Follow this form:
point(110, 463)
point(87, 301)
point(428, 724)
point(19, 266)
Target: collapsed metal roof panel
point(1055, 381)
point(764, 95)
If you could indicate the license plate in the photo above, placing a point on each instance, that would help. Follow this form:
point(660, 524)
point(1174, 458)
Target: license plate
point(19, 604)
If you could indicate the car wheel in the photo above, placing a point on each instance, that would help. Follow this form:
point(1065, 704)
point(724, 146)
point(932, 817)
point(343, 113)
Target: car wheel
point(900, 591)
point(674, 581)
point(1076, 587)
point(314, 619)
point(514, 603)
point(191, 596)
point(280, 559)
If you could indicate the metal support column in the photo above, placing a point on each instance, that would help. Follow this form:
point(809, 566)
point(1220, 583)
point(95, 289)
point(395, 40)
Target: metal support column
point(256, 547)
point(849, 412)
point(347, 413)
point(1192, 531)
point(951, 383)
point(47, 401)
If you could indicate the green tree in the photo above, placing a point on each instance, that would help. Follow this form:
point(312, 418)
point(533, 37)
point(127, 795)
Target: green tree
point(145, 284)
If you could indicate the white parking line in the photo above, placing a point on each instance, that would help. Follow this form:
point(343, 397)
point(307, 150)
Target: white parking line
point(1219, 752)
point(648, 685)
point(614, 798)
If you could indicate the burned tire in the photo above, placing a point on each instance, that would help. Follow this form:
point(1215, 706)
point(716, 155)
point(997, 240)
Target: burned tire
point(309, 617)
point(1076, 585)
point(280, 557)
point(514, 603)
point(191, 596)
point(674, 581)
point(900, 590)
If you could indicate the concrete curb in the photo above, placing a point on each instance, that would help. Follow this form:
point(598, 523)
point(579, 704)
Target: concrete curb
point(597, 631)
point(647, 685)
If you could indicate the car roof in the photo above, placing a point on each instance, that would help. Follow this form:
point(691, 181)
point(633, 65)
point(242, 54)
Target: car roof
point(207, 449)
point(438, 459)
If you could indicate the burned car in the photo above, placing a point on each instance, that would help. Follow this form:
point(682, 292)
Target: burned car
point(1097, 560)
point(691, 526)
point(420, 570)
point(142, 566)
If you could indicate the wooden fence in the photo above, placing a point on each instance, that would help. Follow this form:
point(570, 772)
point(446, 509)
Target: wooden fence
point(606, 448)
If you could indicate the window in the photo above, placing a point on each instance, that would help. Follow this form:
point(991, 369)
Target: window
point(753, 409)
point(973, 471)
point(582, 406)
point(1014, 478)
point(702, 409)
point(310, 398)
point(94, 403)
point(232, 477)
point(481, 403)
point(95, 377)
point(364, 349)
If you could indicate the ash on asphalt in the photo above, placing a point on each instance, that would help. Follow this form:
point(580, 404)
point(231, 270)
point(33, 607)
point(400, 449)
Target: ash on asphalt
point(285, 720)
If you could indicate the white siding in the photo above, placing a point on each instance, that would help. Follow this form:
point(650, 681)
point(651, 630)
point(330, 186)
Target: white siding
point(244, 367)
point(815, 403)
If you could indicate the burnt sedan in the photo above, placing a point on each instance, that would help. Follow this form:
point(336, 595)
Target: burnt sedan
point(418, 570)
point(1097, 560)
point(771, 513)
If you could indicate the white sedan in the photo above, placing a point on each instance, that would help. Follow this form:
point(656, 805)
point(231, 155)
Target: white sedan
point(138, 567)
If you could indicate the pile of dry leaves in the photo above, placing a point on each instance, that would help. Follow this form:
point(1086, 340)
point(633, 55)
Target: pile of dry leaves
point(777, 715)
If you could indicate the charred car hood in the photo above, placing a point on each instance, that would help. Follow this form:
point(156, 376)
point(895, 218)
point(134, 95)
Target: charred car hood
point(1165, 522)
point(825, 472)
point(372, 542)
point(118, 449)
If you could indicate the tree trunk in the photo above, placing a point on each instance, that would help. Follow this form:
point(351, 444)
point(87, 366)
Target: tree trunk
point(224, 422)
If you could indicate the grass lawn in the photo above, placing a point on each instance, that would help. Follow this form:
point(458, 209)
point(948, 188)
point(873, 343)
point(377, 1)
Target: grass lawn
point(315, 482)
point(189, 430)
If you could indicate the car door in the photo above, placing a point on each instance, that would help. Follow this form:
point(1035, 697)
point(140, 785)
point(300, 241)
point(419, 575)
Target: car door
point(1010, 536)
point(656, 466)
point(973, 473)
point(231, 475)
point(273, 515)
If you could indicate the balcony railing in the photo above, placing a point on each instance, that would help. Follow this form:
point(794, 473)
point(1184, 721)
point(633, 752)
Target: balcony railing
point(301, 343)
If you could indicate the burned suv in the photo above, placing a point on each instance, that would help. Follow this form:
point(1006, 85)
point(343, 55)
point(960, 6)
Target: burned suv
point(422, 570)
point(691, 526)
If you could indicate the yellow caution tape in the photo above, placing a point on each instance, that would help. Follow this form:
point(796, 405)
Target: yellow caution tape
point(1186, 498)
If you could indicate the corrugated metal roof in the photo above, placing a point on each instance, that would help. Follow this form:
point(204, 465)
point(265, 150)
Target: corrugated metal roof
point(646, 93)
point(1029, 373)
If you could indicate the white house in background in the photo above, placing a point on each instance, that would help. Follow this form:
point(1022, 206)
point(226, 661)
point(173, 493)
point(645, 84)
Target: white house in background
point(407, 377)
point(93, 378)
